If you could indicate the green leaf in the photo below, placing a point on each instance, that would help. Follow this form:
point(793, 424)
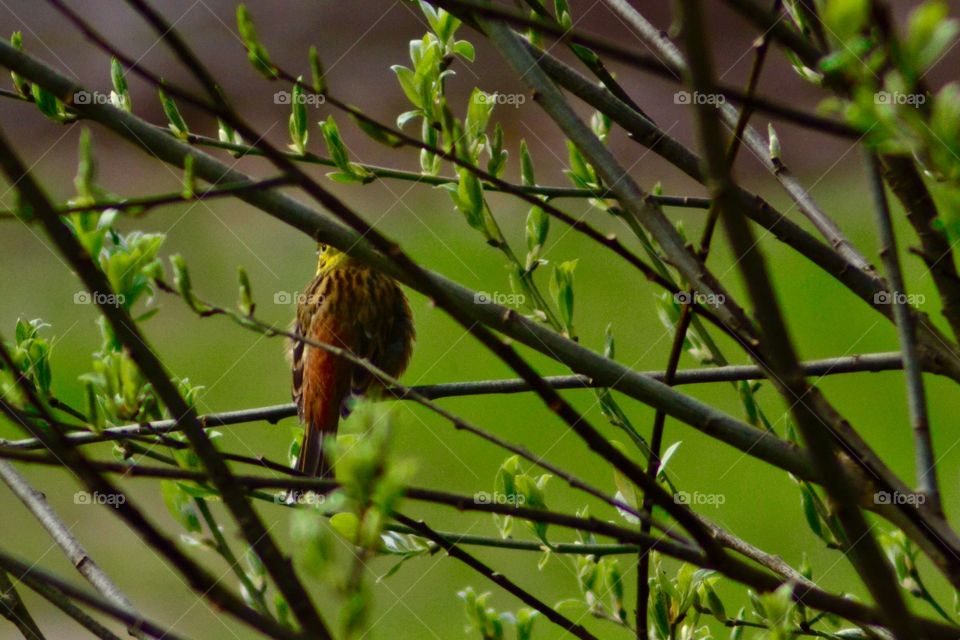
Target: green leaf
point(407, 116)
point(184, 285)
point(808, 503)
point(310, 538)
point(349, 171)
point(581, 173)
point(930, 32)
point(121, 92)
point(845, 18)
point(21, 85)
point(284, 615)
point(464, 49)
point(609, 343)
point(346, 524)
point(715, 604)
point(468, 198)
point(665, 458)
point(498, 155)
point(298, 125)
point(247, 304)
point(562, 11)
point(256, 52)
point(345, 178)
point(317, 74)
point(47, 103)
point(177, 124)
point(561, 288)
point(775, 151)
point(478, 114)
point(180, 506)
point(525, 619)
point(407, 80)
point(526, 166)
point(600, 124)
point(226, 134)
point(661, 617)
point(737, 632)
point(537, 227)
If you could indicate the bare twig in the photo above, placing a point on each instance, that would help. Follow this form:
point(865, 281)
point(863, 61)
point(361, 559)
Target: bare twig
point(906, 330)
point(57, 591)
point(806, 402)
point(13, 609)
point(936, 250)
point(143, 204)
point(650, 63)
point(126, 331)
point(502, 581)
point(37, 504)
point(869, 362)
point(657, 39)
point(812, 596)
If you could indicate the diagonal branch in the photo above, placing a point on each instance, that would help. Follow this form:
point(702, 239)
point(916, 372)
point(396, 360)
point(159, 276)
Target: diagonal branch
point(906, 331)
point(806, 402)
point(59, 592)
point(13, 609)
point(37, 504)
point(804, 202)
point(129, 335)
point(502, 581)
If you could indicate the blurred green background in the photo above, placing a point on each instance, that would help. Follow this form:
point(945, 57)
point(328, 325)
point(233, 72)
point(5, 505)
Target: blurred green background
point(239, 369)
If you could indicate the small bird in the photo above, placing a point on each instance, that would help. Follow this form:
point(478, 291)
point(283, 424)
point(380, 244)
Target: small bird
point(354, 307)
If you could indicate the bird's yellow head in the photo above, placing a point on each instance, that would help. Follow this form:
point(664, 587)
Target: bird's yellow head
point(328, 257)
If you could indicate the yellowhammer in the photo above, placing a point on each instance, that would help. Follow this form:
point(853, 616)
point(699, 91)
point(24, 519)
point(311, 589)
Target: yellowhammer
point(354, 307)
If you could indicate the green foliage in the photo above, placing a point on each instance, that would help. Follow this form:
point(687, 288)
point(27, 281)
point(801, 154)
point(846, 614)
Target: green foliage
point(181, 506)
point(48, 104)
point(20, 85)
point(299, 128)
point(226, 133)
point(489, 624)
point(371, 488)
point(120, 96)
point(348, 171)
point(175, 121)
point(359, 513)
point(845, 18)
point(31, 355)
point(256, 52)
point(561, 288)
point(317, 74)
point(513, 486)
